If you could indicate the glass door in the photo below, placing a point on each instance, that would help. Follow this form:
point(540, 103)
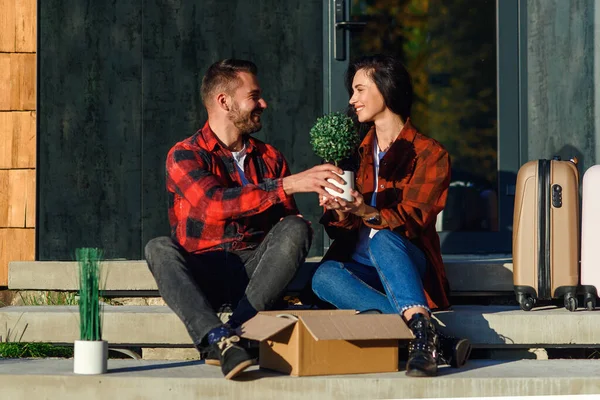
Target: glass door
point(451, 48)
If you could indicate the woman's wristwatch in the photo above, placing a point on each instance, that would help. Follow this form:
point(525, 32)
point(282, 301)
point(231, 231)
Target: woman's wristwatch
point(374, 220)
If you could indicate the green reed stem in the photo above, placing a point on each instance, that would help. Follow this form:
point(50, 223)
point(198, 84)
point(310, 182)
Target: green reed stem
point(89, 293)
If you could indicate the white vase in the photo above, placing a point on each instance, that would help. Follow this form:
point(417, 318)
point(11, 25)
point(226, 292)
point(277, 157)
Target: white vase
point(90, 357)
point(348, 177)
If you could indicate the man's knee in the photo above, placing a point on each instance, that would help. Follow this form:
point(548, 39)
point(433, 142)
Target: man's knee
point(156, 247)
point(296, 229)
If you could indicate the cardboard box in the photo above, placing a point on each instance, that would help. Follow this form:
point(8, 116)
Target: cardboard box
point(327, 342)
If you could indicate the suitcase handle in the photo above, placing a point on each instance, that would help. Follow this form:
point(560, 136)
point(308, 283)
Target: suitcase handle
point(574, 160)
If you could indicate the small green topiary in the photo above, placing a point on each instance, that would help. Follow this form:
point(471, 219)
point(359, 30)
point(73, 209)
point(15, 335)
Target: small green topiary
point(334, 137)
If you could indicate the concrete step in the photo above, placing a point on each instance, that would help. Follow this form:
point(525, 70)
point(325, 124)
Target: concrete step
point(138, 379)
point(152, 326)
point(466, 274)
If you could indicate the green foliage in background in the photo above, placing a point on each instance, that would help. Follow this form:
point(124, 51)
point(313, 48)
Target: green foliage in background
point(334, 137)
point(89, 293)
point(449, 48)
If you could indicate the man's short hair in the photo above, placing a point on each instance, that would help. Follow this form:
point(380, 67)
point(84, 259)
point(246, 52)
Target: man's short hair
point(222, 76)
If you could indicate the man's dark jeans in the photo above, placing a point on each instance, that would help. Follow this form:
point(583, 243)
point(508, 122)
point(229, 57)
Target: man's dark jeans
point(194, 286)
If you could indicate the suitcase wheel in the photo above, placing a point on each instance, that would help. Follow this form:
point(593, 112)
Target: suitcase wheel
point(526, 302)
point(590, 301)
point(570, 302)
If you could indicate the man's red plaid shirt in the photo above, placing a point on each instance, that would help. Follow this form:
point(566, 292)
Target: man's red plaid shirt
point(209, 209)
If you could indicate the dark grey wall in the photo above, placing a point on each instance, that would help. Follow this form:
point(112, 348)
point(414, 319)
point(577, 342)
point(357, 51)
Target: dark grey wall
point(560, 80)
point(119, 85)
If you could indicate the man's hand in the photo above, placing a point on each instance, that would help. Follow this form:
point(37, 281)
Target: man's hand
point(314, 180)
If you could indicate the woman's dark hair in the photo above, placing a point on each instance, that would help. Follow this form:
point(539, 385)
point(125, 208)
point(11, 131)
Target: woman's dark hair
point(392, 80)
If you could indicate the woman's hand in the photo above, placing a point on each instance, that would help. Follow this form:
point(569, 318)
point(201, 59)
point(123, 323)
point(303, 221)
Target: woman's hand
point(357, 207)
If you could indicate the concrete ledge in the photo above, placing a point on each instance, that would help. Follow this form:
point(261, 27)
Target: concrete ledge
point(487, 326)
point(62, 275)
point(466, 274)
point(131, 379)
point(151, 326)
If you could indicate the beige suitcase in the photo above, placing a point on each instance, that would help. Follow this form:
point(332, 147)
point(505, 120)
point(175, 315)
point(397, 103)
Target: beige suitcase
point(546, 233)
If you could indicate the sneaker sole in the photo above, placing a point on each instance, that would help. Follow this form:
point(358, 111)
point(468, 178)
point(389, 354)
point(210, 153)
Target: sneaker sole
point(217, 363)
point(462, 351)
point(417, 373)
point(239, 368)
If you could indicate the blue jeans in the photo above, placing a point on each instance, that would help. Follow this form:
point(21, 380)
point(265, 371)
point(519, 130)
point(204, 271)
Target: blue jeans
point(392, 284)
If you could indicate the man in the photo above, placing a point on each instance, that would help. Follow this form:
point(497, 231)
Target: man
point(236, 235)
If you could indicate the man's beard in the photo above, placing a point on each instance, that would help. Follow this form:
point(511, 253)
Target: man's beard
point(243, 120)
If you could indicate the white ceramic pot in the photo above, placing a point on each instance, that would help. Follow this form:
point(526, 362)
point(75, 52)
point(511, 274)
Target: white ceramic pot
point(347, 176)
point(90, 357)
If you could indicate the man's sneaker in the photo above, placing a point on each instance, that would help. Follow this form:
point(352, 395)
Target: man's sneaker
point(211, 355)
point(232, 357)
point(453, 351)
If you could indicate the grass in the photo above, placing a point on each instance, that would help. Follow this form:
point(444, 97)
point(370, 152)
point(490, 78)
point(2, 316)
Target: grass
point(49, 298)
point(34, 350)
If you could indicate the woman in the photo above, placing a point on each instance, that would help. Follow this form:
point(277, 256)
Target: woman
point(386, 253)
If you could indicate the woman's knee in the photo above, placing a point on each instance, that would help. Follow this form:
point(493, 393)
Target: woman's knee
point(325, 274)
point(391, 250)
point(386, 240)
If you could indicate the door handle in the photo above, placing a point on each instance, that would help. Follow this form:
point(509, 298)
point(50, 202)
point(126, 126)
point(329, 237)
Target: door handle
point(341, 25)
point(350, 24)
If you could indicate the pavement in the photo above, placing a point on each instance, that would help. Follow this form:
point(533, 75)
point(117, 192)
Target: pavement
point(142, 379)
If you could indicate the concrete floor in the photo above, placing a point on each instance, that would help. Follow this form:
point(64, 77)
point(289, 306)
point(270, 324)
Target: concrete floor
point(143, 379)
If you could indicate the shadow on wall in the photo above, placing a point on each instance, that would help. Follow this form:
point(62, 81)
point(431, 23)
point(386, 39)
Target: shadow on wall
point(569, 152)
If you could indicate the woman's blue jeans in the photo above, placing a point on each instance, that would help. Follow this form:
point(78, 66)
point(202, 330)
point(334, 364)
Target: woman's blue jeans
point(392, 284)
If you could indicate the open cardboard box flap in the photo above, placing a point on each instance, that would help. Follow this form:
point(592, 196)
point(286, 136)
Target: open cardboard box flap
point(262, 326)
point(356, 327)
point(327, 325)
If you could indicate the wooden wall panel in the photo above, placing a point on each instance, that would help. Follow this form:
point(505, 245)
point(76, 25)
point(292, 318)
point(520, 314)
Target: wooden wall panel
point(25, 35)
point(17, 139)
point(7, 25)
point(17, 81)
point(15, 245)
point(22, 69)
point(5, 79)
point(30, 206)
point(18, 42)
point(4, 195)
point(17, 201)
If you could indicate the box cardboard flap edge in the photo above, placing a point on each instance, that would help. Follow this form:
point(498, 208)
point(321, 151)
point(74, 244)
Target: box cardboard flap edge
point(268, 323)
point(340, 325)
point(356, 327)
point(261, 327)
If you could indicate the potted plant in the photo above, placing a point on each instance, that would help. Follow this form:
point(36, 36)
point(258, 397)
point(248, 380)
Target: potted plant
point(91, 352)
point(334, 137)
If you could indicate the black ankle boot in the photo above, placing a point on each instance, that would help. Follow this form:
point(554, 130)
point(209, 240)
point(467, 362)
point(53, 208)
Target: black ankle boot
point(453, 351)
point(422, 350)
